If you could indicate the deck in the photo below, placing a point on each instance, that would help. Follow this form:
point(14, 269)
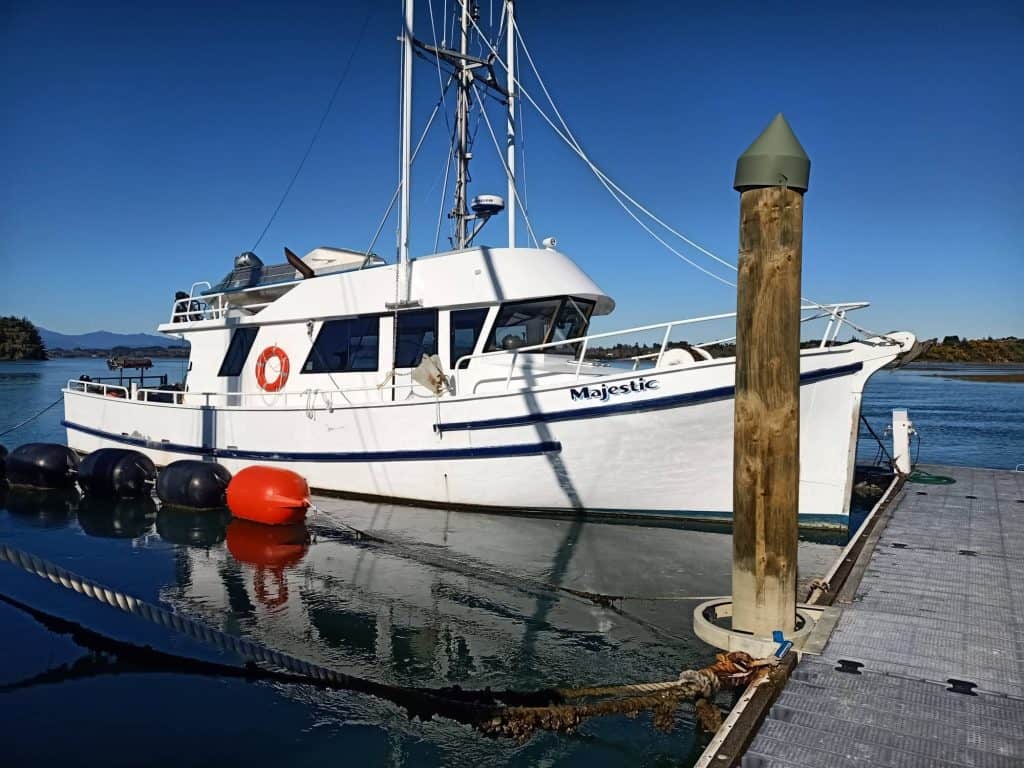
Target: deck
point(933, 635)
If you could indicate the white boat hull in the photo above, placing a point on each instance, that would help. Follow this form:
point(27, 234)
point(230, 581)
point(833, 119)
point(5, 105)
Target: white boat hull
point(659, 443)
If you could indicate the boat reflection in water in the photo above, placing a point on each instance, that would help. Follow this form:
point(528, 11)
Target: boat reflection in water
point(206, 528)
point(46, 508)
point(116, 518)
point(442, 597)
point(412, 597)
point(269, 549)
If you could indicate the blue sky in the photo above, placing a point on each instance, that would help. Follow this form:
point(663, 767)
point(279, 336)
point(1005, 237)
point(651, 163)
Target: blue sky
point(143, 146)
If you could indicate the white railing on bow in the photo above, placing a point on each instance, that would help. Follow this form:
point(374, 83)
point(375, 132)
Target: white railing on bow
point(835, 312)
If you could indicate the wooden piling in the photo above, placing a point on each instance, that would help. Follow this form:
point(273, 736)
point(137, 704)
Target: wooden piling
point(771, 176)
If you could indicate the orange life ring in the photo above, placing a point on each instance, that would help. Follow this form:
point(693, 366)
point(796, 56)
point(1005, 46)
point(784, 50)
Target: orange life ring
point(261, 369)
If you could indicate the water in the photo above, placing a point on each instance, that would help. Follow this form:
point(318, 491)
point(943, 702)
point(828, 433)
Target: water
point(964, 423)
point(451, 598)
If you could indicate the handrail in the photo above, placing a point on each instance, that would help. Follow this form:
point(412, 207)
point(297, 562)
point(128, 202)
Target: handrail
point(307, 397)
point(97, 388)
point(849, 306)
point(837, 313)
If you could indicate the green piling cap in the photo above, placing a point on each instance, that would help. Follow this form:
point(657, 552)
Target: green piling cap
point(774, 159)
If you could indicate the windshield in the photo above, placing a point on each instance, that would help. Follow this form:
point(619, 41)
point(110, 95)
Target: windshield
point(571, 323)
point(529, 323)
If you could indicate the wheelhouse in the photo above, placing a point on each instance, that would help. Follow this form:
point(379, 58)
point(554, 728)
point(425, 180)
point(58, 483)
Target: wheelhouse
point(329, 321)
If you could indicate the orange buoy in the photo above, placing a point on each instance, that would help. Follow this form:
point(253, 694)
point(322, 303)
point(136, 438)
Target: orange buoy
point(276, 384)
point(268, 495)
point(271, 550)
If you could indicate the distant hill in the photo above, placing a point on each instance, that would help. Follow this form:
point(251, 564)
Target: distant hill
point(953, 349)
point(104, 340)
point(19, 340)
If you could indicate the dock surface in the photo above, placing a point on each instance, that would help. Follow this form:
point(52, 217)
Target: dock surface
point(933, 634)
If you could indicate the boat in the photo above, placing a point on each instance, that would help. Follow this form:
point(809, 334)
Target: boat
point(470, 377)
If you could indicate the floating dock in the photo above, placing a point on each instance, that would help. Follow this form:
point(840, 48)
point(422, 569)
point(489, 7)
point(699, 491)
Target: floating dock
point(925, 665)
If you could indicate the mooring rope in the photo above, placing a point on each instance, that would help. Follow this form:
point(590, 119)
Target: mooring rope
point(33, 417)
point(881, 446)
point(500, 713)
point(602, 599)
point(190, 627)
point(927, 478)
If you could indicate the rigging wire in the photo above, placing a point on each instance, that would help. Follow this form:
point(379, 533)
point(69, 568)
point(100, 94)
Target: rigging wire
point(437, 59)
point(601, 173)
point(447, 122)
point(605, 181)
point(415, 152)
point(612, 187)
point(323, 119)
point(604, 178)
point(444, 193)
point(504, 163)
point(521, 133)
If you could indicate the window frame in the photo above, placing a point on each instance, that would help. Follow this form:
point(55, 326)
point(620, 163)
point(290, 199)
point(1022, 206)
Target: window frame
point(238, 334)
point(348, 369)
point(479, 332)
point(491, 345)
point(397, 334)
point(588, 304)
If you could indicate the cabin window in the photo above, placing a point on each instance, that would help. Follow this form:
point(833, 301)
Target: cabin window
point(238, 351)
point(466, 325)
point(350, 344)
point(528, 323)
point(415, 336)
point(571, 323)
point(523, 324)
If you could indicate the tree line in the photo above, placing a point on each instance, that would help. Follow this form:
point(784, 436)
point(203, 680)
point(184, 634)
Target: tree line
point(20, 340)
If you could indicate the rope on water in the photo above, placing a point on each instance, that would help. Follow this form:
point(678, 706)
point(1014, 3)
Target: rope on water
point(424, 703)
point(182, 624)
point(598, 598)
point(487, 710)
point(700, 686)
point(32, 418)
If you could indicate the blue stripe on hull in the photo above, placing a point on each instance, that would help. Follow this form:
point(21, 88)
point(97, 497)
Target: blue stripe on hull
point(804, 520)
point(485, 452)
point(653, 404)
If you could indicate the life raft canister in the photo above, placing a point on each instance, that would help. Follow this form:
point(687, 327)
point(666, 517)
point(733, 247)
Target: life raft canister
point(261, 369)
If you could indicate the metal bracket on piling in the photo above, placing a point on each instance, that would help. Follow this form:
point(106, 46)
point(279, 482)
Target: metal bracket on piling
point(707, 614)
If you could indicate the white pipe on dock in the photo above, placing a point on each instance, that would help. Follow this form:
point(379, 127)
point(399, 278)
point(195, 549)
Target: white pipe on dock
point(902, 429)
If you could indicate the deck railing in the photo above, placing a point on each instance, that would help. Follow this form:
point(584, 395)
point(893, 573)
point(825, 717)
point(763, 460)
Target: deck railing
point(211, 306)
point(316, 399)
point(835, 312)
point(309, 399)
point(98, 388)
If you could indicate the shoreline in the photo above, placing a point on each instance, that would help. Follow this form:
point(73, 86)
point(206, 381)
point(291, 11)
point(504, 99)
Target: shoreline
point(995, 378)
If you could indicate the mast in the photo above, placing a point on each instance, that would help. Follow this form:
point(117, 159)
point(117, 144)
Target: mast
point(406, 161)
point(464, 78)
point(464, 66)
point(510, 150)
